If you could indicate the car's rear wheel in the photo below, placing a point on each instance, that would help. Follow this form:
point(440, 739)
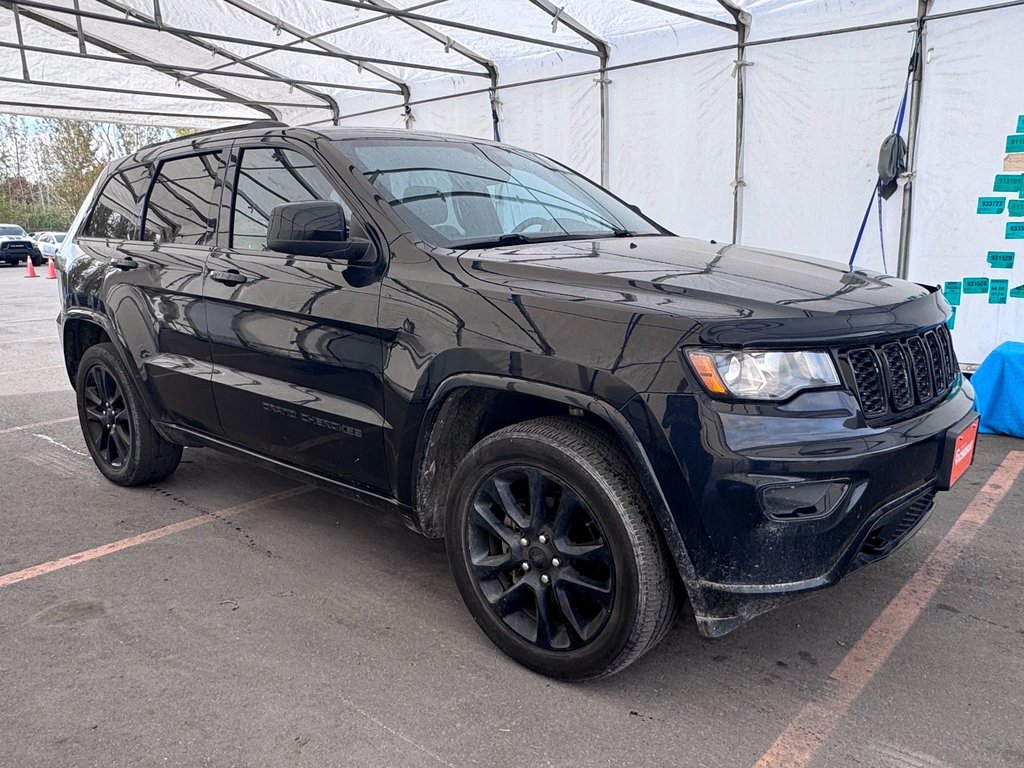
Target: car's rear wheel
point(121, 440)
point(37, 261)
point(553, 550)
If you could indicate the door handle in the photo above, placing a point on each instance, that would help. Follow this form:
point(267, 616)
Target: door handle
point(124, 264)
point(229, 277)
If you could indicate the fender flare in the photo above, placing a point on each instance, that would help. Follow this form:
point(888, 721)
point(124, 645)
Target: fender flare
point(601, 410)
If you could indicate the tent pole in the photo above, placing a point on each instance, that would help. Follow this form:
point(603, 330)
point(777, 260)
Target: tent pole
point(907, 212)
point(742, 19)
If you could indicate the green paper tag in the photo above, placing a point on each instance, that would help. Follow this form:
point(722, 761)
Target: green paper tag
point(1016, 207)
point(997, 291)
point(1017, 293)
point(1007, 182)
point(975, 285)
point(951, 323)
point(1001, 259)
point(1020, 124)
point(951, 290)
point(1015, 142)
point(991, 204)
point(1015, 230)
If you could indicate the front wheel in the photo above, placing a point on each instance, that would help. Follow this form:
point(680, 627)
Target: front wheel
point(552, 547)
point(37, 261)
point(121, 440)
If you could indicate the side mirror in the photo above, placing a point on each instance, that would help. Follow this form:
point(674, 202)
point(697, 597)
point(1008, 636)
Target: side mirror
point(313, 228)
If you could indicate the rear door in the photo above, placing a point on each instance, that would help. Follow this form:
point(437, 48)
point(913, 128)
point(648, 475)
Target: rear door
point(155, 275)
point(294, 339)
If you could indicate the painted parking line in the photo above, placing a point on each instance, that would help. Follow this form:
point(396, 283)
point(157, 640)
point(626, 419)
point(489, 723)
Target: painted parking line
point(36, 425)
point(34, 338)
point(32, 572)
point(799, 742)
point(30, 370)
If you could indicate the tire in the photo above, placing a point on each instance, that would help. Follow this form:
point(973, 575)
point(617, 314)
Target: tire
point(37, 261)
point(120, 438)
point(599, 591)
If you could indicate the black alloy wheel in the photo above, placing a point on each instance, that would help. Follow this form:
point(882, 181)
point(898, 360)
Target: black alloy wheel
point(540, 558)
point(106, 417)
point(552, 545)
point(122, 441)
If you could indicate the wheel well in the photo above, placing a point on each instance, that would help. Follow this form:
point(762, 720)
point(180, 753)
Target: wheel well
point(79, 335)
point(466, 416)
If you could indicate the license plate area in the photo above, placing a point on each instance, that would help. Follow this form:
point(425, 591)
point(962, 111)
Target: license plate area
point(959, 455)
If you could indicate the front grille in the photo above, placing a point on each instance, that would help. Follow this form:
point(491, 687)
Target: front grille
point(899, 375)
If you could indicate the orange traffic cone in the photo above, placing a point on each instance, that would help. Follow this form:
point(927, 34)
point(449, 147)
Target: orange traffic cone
point(51, 272)
point(31, 271)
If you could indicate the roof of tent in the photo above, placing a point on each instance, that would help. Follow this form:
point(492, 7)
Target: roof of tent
point(213, 62)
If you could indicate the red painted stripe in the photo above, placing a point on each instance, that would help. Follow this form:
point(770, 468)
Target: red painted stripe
point(799, 742)
point(133, 541)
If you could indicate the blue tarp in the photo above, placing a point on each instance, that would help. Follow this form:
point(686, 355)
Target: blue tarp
point(999, 388)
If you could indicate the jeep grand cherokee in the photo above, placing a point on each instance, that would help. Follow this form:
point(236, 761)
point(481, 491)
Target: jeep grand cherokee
point(601, 418)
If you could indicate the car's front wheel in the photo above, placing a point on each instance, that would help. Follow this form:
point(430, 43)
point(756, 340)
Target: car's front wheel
point(552, 547)
point(121, 440)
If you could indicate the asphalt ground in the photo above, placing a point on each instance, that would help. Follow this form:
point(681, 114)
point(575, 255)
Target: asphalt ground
point(277, 625)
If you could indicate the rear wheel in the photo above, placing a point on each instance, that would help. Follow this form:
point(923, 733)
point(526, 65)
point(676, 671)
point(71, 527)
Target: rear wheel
point(122, 441)
point(37, 261)
point(552, 548)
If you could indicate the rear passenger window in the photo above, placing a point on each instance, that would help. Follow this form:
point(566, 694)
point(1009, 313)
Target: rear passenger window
point(267, 178)
point(182, 204)
point(116, 212)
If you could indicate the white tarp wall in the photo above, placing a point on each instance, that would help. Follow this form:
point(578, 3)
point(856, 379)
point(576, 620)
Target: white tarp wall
point(823, 83)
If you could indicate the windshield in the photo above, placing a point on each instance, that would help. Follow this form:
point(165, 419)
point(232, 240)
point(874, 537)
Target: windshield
point(12, 231)
point(459, 194)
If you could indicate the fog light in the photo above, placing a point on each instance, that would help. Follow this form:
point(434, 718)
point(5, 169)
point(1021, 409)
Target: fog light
point(802, 501)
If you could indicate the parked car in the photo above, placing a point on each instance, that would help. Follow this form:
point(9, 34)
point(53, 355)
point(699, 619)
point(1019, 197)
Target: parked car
point(17, 246)
point(600, 417)
point(49, 242)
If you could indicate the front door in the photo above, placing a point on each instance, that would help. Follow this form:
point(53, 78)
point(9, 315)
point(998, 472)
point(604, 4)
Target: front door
point(294, 342)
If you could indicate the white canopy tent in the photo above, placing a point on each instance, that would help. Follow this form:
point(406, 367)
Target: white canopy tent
point(753, 121)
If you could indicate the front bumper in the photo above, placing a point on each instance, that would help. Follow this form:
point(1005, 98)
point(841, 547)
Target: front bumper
point(745, 552)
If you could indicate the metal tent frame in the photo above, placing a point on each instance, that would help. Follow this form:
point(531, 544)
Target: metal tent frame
point(225, 69)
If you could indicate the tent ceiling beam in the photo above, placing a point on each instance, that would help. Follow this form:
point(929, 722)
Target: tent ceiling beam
point(198, 37)
point(557, 15)
point(687, 14)
point(155, 94)
point(329, 48)
point(329, 100)
point(490, 68)
point(128, 56)
point(311, 38)
point(113, 111)
point(400, 14)
point(176, 70)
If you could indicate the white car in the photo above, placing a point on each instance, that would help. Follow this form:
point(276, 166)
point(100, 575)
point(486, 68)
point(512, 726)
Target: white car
point(48, 243)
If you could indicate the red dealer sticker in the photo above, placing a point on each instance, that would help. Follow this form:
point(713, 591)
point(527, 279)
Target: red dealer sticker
point(963, 452)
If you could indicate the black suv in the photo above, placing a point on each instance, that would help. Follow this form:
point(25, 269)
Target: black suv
point(598, 416)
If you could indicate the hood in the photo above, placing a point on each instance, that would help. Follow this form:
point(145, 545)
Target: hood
point(726, 288)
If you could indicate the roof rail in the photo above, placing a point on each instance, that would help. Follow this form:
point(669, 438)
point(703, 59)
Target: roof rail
point(225, 129)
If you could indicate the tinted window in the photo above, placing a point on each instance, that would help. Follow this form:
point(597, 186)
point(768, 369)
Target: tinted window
point(181, 206)
point(116, 212)
point(269, 177)
point(466, 194)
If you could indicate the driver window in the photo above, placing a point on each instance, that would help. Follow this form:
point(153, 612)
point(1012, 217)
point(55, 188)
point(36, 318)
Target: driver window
point(268, 177)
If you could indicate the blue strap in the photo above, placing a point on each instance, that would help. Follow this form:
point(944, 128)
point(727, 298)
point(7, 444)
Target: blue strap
point(897, 127)
point(863, 224)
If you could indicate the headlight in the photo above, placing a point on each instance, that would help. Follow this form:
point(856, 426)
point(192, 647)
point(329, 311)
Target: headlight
point(762, 375)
